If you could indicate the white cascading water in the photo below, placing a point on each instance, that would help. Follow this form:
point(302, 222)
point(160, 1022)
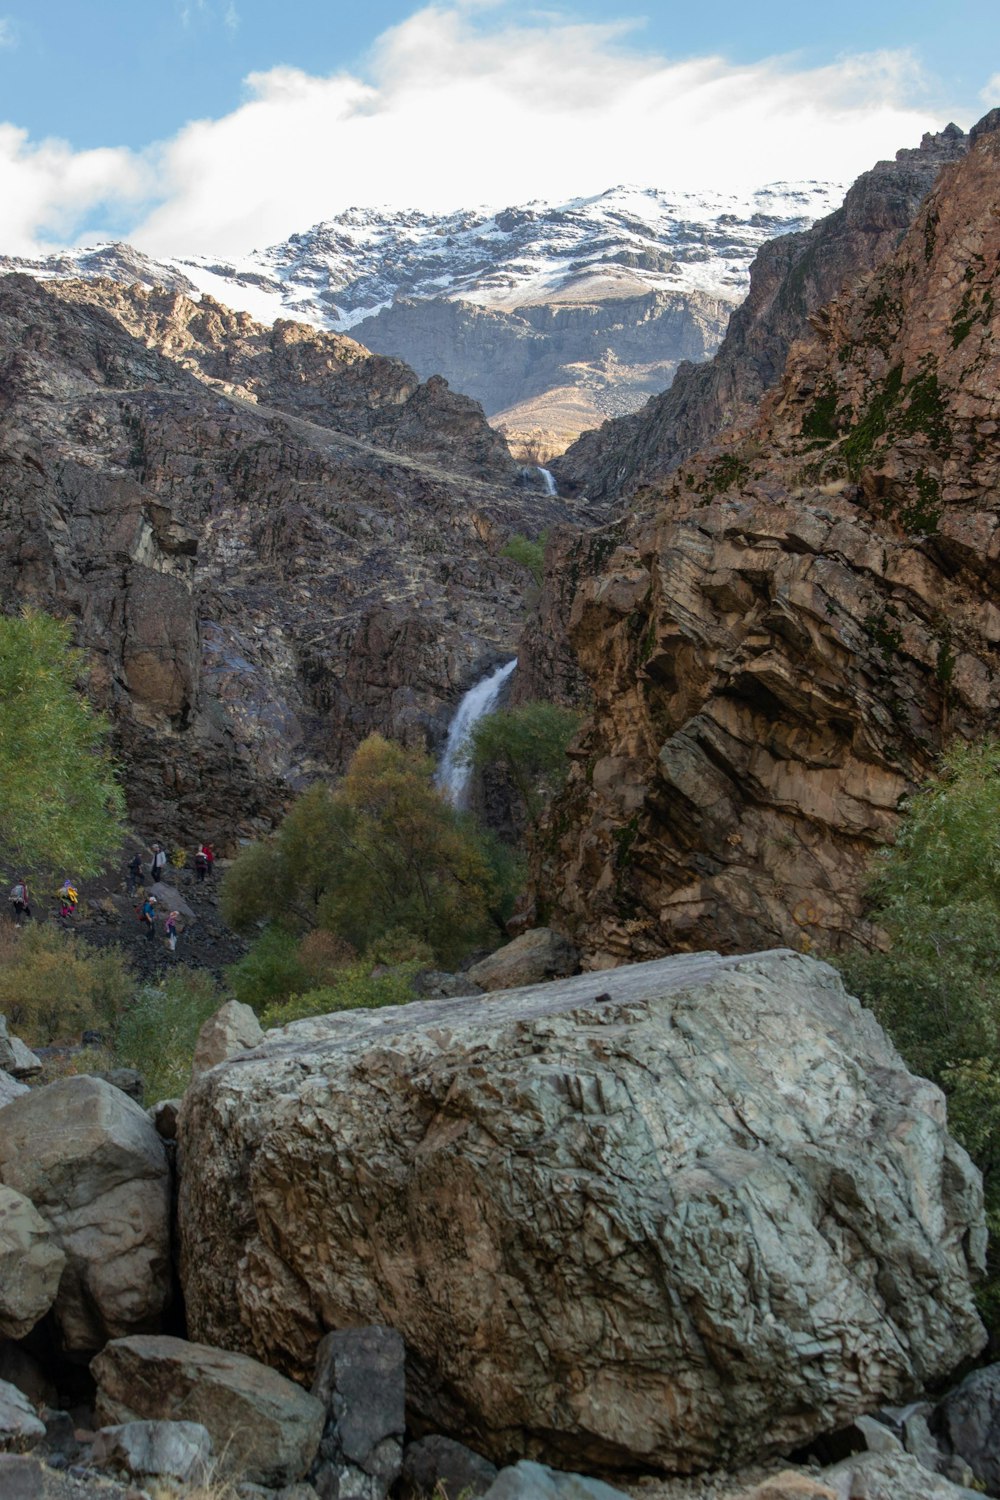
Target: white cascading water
point(549, 479)
point(454, 773)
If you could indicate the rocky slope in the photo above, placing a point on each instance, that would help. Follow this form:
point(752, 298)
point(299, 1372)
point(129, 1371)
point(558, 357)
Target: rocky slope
point(271, 541)
point(568, 313)
point(781, 636)
point(791, 277)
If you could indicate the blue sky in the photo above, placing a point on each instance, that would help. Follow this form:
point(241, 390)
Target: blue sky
point(221, 124)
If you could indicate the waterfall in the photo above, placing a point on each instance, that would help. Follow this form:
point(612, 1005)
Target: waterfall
point(454, 773)
point(549, 480)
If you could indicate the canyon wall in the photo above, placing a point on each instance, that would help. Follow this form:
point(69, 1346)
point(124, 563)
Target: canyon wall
point(780, 636)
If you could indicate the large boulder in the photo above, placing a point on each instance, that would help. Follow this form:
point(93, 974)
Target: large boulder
point(31, 1264)
point(264, 1428)
point(535, 956)
point(92, 1164)
point(683, 1213)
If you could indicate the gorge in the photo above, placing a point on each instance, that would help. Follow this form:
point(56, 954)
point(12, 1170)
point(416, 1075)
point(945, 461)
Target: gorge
point(660, 1211)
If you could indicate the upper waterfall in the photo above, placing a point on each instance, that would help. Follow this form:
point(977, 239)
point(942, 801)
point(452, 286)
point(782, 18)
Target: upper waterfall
point(454, 773)
point(549, 480)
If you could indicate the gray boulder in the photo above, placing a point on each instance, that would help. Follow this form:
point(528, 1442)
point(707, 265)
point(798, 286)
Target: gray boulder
point(698, 1218)
point(31, 1264)
point(535, 956)
point(530, 1481)
point(969, 1418)
point(438, 1465)
point(181, 1451)
point(10, 1089)
point(885, 1476)
point(263, 1427)
point(94, 1167)
point(361, 1382)
point(233, 1029)
point(20, 1428)
point(15, 1058)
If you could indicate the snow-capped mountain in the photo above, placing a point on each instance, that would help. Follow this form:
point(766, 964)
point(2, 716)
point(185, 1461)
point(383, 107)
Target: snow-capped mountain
point(600, 296)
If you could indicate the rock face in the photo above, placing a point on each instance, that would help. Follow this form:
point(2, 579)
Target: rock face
point(791, 278)
point(264, 1428)
point(270, 541)
point(781, 638)
point(699, 1216)
point(31, 1264)
point(92, 1164)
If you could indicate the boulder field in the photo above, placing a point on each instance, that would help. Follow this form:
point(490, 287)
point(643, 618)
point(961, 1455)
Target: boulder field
point(684, 1215)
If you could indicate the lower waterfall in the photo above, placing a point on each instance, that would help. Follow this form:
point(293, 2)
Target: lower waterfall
point(454, 773)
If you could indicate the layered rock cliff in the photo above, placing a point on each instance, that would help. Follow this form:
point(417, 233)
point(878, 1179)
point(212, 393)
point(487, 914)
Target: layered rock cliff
point(791, 277)
point(271, 542)
point(784, 633)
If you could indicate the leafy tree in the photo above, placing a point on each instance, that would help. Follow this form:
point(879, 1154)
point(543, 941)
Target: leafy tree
point(530, 743)
point(383, 852)
point(937, 987)
point(60, 802)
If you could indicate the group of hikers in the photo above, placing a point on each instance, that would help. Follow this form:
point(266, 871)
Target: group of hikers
point(69, 896)
point(20, 899)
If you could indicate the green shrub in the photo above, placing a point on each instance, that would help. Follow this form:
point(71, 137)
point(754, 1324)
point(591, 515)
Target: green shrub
point(356, 988)
point(271, 972)
point(158, 1032)
point(53, 985)
point(527, 553)
point(280, 965)
point(937, 988)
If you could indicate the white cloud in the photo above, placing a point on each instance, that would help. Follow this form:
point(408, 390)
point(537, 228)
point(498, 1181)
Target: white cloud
point(990, 94)
point(458, 108)
point(8, 32)
point(46, 188)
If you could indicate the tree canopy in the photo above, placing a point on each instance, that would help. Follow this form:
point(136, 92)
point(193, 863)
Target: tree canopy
point(530, 743)
point(60, 802)
point(380, 853)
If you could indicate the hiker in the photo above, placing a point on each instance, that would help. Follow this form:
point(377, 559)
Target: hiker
point(201, 863)
point(171, 930)
point(68, 898)
point(158, 864)
point(134, 873)
point(148, 915)
point(210, 856)
point(20, 900)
